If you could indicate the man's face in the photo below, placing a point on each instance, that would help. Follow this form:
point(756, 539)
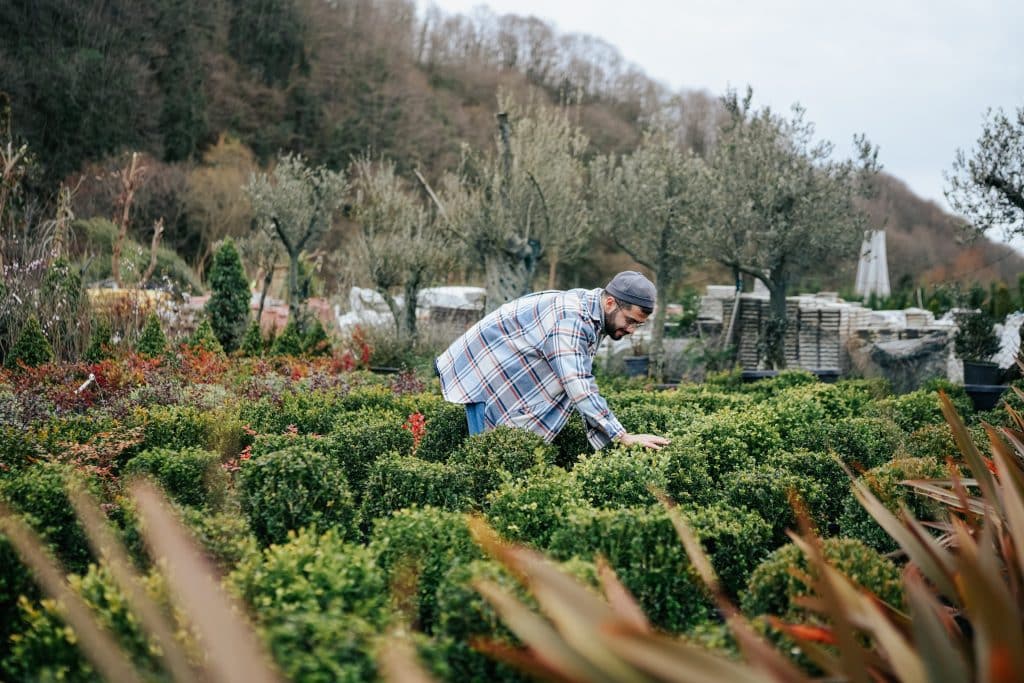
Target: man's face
point(622, 319)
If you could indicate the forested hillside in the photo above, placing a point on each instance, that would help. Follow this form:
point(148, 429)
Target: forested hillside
point(213, 89)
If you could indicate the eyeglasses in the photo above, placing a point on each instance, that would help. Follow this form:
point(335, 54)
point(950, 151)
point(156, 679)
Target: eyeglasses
point(630, 322)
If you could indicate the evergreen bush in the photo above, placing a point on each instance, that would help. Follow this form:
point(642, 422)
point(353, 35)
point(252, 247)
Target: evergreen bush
point(733, 440)
point(288, 342)
point(529, 509)
point(252, 342)
point(884, 482)
point(773, 588)
point(400, 481)
point(152, 343)
point(765, 489)
point(204, 339)
point(31, 348)
point(100, 345)
point(497, 455)
point(688, 473)
point(415, 548)
point(316, 342)
point(228, 306)
point(360, 438)
point(571, 442)
point(446, 430)
point(182, 426)
point(38, 493)
point(294, 488)
point(861, 442)
point(619, 477)
point(825, 470)
point(190, 476)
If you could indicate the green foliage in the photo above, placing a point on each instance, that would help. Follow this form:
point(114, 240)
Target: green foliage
point(294, 488)
point(654, 419)
point(975, 338)
point(176, 427)
point(15, 580)
point(362, 437)
point(44, 648)
point(688, 474)
point(914, 410)
point(63, 307)
point(884, 482)
point(205, 339)
point(31, 348)
point(446, 429)
point(826, 472)
point(320, 603)
point(733, 439)
point(289, 342)
point(252, 342)
point(765, 489)
point(228, 306)
point(152, 343)
point(773, 588)
point(529, 509)
point(498, 455)
point(400, 481)
point(642, 545)
point(416, 548)
point(316, 342)
point(100, 344)
point(309, 412)
point(787, 379)
point(225, 536)
point(620, 477)
point(97, 236)
point(571, 442)
point(38, 493)
point(861, 442)
point(190, 476)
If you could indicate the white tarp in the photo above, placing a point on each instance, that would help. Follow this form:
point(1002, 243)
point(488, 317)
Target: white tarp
point(873, 268)
point(367, 306)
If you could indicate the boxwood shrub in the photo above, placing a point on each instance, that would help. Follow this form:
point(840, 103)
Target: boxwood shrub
point(773, 588)
point(181, 426)
point(528, 510)
point(861, 442)
point(765, 488)
point(916, 409)
point(446, 429)
point(44, 648)
point(619, 477)
point(190, 476)
point(293, 488)
point(415, 548)
point(38, 493)
point(734, 440)
point(498, 455)
point(571, 443)
point(398, 481)
point(884, 482)
point(360, 438)
point(655, 419)
point(688, 473)
point(642, 546)
point(826, 471)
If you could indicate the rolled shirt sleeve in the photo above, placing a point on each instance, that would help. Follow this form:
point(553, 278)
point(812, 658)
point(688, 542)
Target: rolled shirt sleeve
point(567, 350)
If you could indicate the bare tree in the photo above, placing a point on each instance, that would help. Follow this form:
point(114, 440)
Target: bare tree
point(402, 242)
point(524, 200)
point(130, 177)
point(298, 204)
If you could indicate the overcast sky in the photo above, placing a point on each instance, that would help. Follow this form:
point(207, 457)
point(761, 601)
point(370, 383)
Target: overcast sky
point(916, 76)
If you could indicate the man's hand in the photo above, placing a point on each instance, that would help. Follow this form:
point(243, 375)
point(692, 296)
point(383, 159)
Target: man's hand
point(646, 440)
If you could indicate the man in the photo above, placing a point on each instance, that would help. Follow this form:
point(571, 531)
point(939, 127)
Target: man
point(529, 363)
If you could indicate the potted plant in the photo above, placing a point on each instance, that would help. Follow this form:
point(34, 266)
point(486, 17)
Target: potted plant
point(976, 342)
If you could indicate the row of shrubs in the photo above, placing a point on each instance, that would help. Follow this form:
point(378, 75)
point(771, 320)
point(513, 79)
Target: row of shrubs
point(382, 502)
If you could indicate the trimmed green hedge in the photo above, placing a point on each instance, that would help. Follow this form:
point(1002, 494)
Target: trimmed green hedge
point(294, 488)
point(529, 510)
point(399, 481)
point(190, 476)
point(619, 477)
point(498, 455)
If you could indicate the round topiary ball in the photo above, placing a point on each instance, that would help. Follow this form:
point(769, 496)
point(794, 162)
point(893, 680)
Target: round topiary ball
point(294, 488)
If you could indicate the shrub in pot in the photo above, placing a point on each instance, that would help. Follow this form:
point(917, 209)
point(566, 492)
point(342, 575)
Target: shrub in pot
point(976, 342)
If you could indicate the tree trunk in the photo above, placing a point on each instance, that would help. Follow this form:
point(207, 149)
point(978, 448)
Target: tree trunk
point(412, 289)
point(158, 231)
point(775, 330)
point(507, 277)
point(294, 295)
point(552, 269)
point(268, 277)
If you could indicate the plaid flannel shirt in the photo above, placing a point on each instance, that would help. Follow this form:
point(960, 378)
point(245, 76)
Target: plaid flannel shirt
point(530, 362)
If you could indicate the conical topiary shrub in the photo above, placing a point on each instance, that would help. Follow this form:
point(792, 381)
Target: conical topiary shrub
point(316, 342)
point(252, 343)
point(31, 347)
point(152, 342)
point(100, 345)
point(205, 339)
point(228, 307)
point(288, 343)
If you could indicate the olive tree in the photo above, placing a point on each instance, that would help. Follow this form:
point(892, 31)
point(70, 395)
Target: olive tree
point(297, 204)
point(986, 185)
point(401, 242)
point(523, 201)
point(779, 206)
point(651, 204)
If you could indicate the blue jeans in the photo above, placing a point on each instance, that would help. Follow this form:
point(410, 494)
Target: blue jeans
point(475, 417)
